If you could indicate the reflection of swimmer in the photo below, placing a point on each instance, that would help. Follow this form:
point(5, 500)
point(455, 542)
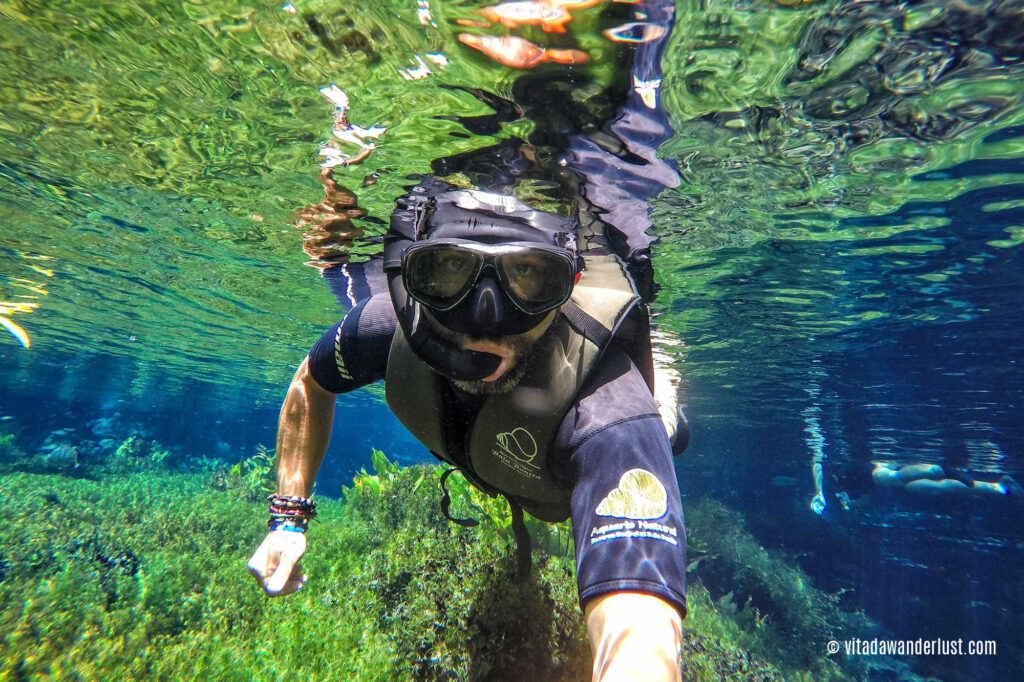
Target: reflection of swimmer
point(516, 14)
point(520, 53)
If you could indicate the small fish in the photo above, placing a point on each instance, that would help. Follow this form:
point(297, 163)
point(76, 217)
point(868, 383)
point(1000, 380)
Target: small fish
point(520, 53)
point(62, 456)
point(783, 481)
point(573, 4)
point(515, 14)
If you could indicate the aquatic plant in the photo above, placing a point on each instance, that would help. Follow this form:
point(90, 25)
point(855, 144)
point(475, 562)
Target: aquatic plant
point(467, 502)
point(770, 601)
point(253, 478)
point(9, 449)
point(135, 452)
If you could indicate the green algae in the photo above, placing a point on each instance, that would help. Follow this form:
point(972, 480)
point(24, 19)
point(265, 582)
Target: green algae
point(143, 575)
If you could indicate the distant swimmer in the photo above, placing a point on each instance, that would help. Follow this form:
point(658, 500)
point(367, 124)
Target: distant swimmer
point(936, 479)
point(853, 482)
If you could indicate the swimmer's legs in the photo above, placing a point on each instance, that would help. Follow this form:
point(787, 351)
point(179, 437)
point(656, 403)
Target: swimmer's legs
point(958, 482)
point(932, 487)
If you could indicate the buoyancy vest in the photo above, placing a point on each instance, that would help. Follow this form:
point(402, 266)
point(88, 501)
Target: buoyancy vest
point(508, 444)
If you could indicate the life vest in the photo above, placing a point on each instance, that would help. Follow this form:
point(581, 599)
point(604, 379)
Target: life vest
point(508, 444)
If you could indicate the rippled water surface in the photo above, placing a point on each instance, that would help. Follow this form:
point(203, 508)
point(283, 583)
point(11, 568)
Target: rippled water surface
point(841, 261)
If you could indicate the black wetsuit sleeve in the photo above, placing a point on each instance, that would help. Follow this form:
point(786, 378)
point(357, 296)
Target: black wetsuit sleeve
point(627, 514)
point(354, 352)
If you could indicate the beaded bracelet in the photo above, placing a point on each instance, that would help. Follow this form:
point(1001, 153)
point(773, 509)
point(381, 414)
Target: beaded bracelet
point(293, 526)
point(290, 512)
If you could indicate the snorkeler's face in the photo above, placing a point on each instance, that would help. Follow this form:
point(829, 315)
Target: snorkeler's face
point(514, 351)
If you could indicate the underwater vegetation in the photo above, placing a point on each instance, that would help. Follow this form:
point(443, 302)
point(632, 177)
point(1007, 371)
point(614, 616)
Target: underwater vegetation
point(253, 477)
point(63, 452)
point(135, 452)
point(142, 574)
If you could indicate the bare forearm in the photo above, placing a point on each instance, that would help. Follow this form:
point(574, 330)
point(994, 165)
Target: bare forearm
point(303, 432)
point(634, 637)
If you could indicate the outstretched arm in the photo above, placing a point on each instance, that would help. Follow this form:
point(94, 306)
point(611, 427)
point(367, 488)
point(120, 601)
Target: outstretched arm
point(627, 521)
point(303, 432)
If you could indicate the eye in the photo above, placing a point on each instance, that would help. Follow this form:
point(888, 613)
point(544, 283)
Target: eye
point(523, 269)
point(453, 263)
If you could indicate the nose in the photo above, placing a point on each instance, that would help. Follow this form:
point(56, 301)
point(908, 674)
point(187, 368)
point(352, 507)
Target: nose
point(488, 309)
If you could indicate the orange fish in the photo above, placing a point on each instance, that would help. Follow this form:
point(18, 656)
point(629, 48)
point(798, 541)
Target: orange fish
point(473, 24)
point(515, 14)
point(520, 53)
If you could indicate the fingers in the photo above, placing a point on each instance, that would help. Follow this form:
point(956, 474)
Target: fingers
point(282, 577)
point(259, 565)
point(294, 583)
point(275, 564)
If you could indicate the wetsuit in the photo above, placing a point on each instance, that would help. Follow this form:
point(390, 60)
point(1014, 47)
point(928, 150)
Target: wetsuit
point(612, 428)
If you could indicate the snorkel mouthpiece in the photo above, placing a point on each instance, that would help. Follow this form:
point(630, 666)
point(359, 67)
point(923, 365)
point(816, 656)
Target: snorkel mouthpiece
point(448, 359)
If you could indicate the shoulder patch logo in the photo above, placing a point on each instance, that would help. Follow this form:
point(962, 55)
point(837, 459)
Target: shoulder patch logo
point(519, 444)
point(639, 495)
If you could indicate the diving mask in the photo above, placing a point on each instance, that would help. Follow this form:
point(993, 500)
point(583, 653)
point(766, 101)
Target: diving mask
point(535, 277)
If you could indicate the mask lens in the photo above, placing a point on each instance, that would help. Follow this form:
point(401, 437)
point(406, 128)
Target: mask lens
point(536, 279)
point(441, 275)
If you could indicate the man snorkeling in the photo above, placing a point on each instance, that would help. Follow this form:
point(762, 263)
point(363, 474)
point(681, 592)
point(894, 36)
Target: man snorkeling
point(524, 361)
point(515, 344)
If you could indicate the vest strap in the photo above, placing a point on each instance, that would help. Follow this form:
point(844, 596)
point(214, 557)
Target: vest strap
point(586, 325)
point(523, 545)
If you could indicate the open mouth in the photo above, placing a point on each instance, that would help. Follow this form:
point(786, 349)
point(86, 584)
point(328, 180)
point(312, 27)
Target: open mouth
point(506, 354)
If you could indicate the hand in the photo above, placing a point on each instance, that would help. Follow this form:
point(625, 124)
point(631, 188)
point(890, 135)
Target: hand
point(275, 564)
